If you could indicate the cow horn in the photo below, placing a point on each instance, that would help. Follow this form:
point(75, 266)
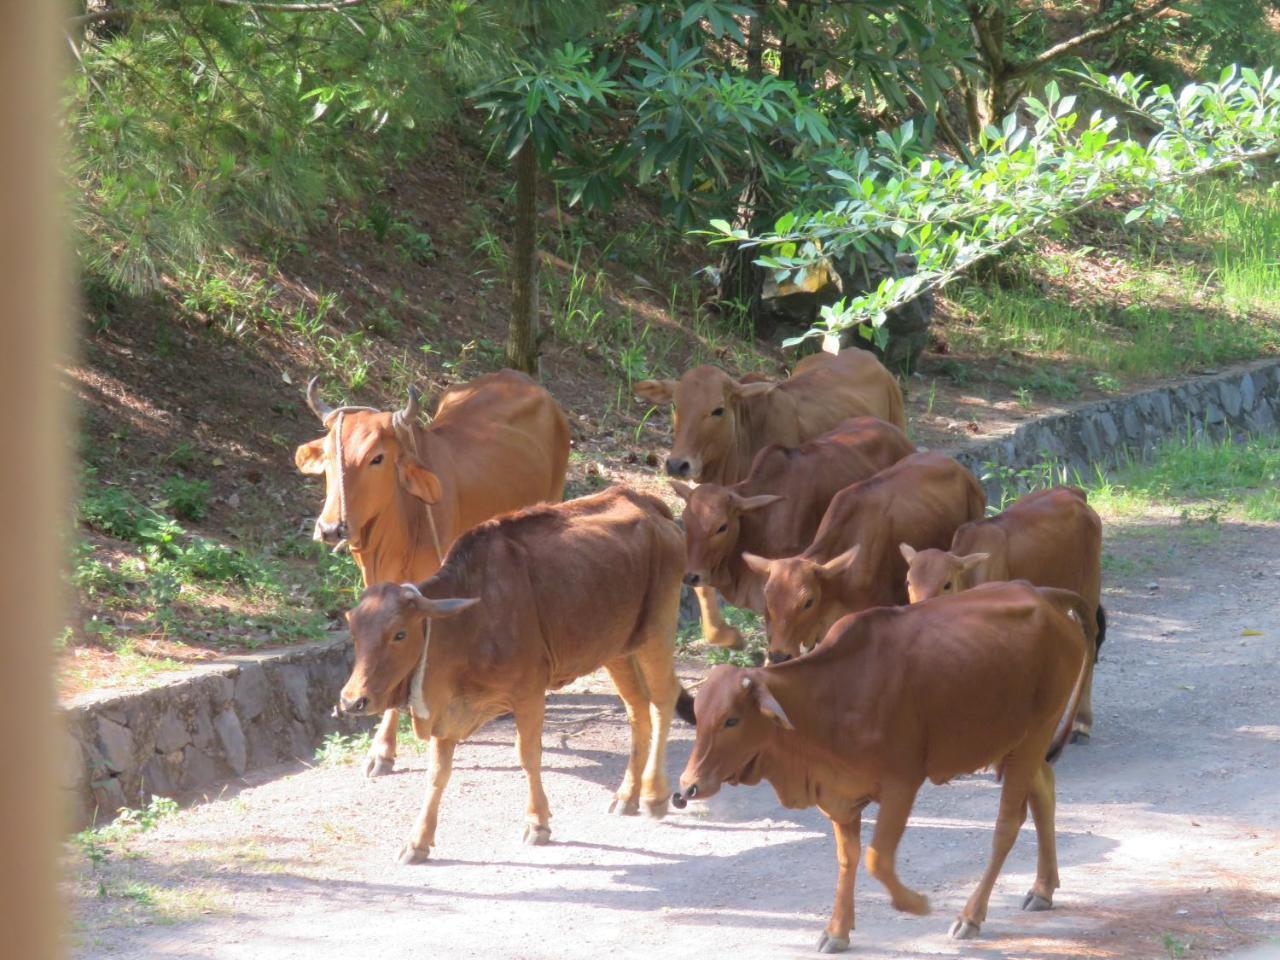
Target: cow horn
point(318, 406)
point(407, 417)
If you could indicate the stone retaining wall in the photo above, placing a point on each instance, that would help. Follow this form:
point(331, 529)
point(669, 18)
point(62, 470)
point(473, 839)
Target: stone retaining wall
point(1242, 400)
point(211, 725)
point(206, 727)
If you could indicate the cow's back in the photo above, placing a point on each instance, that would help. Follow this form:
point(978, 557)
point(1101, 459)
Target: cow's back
point(1052, 538)
point(498, 443)
point(827, 388)
point(596, 568)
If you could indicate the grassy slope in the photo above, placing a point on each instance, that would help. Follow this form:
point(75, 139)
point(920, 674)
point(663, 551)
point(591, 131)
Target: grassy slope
point(193, 399)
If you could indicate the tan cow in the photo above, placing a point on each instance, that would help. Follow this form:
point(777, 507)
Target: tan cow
point(721, 423)
point(895, 696)
point(853, 562)
point(559, 591)
point(1051, 537)
point(774, 512)
point(400, 493)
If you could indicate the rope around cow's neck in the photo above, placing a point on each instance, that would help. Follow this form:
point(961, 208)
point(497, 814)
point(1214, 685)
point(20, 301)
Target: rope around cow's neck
point(417, 696)
point(342, 493)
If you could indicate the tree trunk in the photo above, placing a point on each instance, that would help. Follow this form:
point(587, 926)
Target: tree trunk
point(522, 335)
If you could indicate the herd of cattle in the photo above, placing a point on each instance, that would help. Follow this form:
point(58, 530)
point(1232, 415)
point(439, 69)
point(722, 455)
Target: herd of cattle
point(909, 637)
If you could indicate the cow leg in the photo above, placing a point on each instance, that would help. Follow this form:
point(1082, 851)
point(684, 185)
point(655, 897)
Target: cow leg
point(1043, 801)
point(529, 714)
point(715, 630)
point(656, 665)
point(1018, 775)
point(635, 696)
point(423, 838)
point(896, 799)
point(382, 752)
point(835, 939)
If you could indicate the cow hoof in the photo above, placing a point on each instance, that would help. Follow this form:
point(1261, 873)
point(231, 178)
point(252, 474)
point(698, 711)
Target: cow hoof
point(1080, 736)
point(657, 809)
point(964, 930)
point(1035, 903)
point(629, 807)
point(409, 855)
point(536, 835)
point(378, 766)
point(830, 943)
point(729, 639)
point(913, 903)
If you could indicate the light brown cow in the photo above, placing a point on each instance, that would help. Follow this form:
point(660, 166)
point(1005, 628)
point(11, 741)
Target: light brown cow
point(854, 562)
point(895, 696)
point(1051, 537)
point(562, 590)
point(774, 512)
point(721, 423)
point(400, 493)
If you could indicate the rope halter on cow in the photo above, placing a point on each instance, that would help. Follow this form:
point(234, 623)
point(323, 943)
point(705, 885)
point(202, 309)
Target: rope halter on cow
point(417, 701)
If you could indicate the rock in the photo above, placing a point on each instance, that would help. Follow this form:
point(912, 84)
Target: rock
point(231, 735)
point(171, 732)
point(1132, 426)
point(117, 746)
point(1153, 586)
point(251, 691)
point(108, 798)
point(1231, 399)
point(294, 680)
point(156, 778)
point(71, 764)
point(1109, 430)
point(198, 769)
point(1247, 392)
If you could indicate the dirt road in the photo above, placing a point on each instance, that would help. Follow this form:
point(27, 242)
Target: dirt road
point(1168, 826)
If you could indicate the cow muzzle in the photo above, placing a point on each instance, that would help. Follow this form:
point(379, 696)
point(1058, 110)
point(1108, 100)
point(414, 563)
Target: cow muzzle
point(692, 579)
point(681, 800)
point(679, 467)
point(330, 533)
point(778, 656)
point(356, 706)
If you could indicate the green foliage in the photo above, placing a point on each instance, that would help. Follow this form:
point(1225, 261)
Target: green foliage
point(186, 499)
point(338, 750)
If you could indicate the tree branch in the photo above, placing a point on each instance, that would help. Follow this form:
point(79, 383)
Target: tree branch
point(1067, 46)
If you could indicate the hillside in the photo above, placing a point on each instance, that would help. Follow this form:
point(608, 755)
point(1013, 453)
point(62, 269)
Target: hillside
point(195, 524)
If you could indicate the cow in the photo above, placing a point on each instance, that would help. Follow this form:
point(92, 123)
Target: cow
point(892, 697)
point(524, 603)
point(721, 423)
point(853, 562)
point(774, 512)
point(1051, 537)
point(399, 493)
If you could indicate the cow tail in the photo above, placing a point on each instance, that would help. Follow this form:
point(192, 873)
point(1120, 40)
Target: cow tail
point(1102, 632)
point(1078, 611)
point(684, 707)
point(1063, 733)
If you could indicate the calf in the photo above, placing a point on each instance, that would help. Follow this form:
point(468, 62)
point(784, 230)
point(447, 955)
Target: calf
point(535, 599)
point(721, 423)
point(1051, 537)
point(895, 696)
point(853, 562)
point(796, 485)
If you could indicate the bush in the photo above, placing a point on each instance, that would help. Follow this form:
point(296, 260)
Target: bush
point(186, 499)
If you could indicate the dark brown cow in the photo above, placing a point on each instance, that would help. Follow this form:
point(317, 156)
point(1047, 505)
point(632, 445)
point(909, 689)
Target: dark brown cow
point(774, 512)
point(401, 493)
point(721, 423)
point(1051, 537)
point(854, 562)
point(895, 696)
point(562, 590)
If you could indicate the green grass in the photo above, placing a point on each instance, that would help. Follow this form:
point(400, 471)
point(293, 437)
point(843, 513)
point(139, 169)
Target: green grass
point(1244, 226)
point(746, 622)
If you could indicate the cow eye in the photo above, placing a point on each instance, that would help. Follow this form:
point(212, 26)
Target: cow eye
point(723, 528)
point(399, 636)
point(376, 460)
point(718, 412)
point(808, 603)
point(731, 722)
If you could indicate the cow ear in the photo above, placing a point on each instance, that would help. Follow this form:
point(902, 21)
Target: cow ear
point(758, 564)
point(451, 607)
point(757, 388)
point(656, 391)
point(747, 504)
point(310, 457)
point(967, 563)
point(420, 481)
point(908, 551)
point(770, 707)
point(682, 489)
point(838, 566)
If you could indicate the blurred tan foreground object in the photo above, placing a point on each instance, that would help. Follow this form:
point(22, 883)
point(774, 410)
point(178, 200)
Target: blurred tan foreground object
point(33, 470)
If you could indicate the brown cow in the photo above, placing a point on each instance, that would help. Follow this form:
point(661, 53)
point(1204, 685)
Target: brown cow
point(562, 590)
point(721, 423)
point(854, 562)
point(895, 696)
point(401, 493)
point(795, 484)
point(1051, 537)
